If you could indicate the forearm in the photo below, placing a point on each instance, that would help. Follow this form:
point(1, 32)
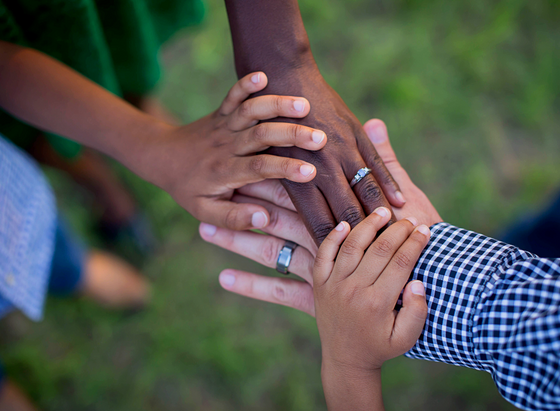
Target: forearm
point(43, 92)
point(351, 390)
point(268, 35)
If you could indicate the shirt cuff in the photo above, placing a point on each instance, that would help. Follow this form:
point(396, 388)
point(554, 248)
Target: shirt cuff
point(456, 268)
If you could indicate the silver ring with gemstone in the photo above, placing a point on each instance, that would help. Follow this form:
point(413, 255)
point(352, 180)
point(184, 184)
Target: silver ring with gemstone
point(362, 172)
point(285, 257)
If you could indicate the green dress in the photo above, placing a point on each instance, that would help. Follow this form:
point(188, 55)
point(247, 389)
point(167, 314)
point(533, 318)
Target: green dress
point(113, 42)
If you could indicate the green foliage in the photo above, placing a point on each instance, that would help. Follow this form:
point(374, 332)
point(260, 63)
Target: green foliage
point(468, 90)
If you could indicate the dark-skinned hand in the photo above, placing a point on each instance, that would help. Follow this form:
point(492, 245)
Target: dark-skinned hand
point(329, 199)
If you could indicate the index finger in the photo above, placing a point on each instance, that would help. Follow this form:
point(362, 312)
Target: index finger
point(324, 262)
point(361, 237)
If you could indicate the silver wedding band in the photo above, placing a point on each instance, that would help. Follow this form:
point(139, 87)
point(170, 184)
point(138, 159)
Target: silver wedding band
point(362, 172)
point(285, 257)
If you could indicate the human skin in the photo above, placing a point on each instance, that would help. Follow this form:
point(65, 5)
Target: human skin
point(286, 224)
point(357, 282)
point(269, 35)
point(199, 164)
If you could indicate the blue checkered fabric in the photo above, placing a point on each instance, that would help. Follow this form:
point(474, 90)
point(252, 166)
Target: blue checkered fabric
point(27, 228)
point(495, 308)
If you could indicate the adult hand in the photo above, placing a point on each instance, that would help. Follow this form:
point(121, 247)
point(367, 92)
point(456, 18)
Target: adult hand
point(329, 199)
point(286, 224)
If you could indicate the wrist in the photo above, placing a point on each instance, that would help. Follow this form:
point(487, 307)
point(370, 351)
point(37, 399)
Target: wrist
point(347, 387)
point(138, 143)
point(331, 367)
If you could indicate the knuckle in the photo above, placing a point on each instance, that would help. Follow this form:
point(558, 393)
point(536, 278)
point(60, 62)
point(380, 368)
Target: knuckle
point(382, 247)
point(290, 296)
point(257, 165)
point(278, 104)
point(388, 180)
point(418, 238)
point(297, 131)
point(285, 166)
point(321, 231)
point(279, 292)
point(260, 132)
point(232, 218)
point(402, 260)
point(352, 216)
point(371, 193)
point(351, 247)
point(270, 251)
point(246, 109)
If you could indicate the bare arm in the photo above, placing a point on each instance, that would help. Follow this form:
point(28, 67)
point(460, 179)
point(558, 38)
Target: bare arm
point(269, 35)
point(51, 96)
point(199, 164)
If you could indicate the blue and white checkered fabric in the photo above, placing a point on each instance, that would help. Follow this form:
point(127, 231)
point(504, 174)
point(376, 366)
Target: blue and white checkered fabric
point(27, 228)
point(495, 308)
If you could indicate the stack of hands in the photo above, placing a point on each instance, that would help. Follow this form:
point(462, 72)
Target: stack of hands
point(351, 282)
point(217, 169)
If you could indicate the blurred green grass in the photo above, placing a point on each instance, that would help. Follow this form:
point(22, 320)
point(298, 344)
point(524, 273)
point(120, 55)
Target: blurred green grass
point(469, 91)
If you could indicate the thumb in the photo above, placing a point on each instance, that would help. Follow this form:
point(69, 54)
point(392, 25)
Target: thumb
point(235, 216)
point(376, 131)
point(412, 316)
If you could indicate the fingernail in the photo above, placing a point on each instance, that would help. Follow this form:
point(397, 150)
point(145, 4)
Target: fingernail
point(377, 134)
point(306, 170)
point(208, 229)
point(317, 136)
point(299, 105)
point(381, 211)
point(400, 197)
point(417, 288)
point(255, 78)
point(339, 227)
point(424, 230)
point(259, 219)
point(227, 279)
point(413, 221)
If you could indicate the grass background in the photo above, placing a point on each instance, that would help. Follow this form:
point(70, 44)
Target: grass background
point(469, 90)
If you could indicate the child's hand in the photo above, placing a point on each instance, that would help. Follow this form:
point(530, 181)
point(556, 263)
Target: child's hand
point(355, 299)
point(202, 163)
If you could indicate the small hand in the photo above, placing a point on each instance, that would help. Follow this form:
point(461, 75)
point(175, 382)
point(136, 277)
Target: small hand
point(202, 163)
point(357, 282)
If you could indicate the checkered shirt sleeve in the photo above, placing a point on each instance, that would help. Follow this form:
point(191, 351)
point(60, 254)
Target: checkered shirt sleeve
point(495, 308)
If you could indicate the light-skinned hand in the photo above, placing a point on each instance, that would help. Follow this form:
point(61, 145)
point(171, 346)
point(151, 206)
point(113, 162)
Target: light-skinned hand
point(357, 282)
